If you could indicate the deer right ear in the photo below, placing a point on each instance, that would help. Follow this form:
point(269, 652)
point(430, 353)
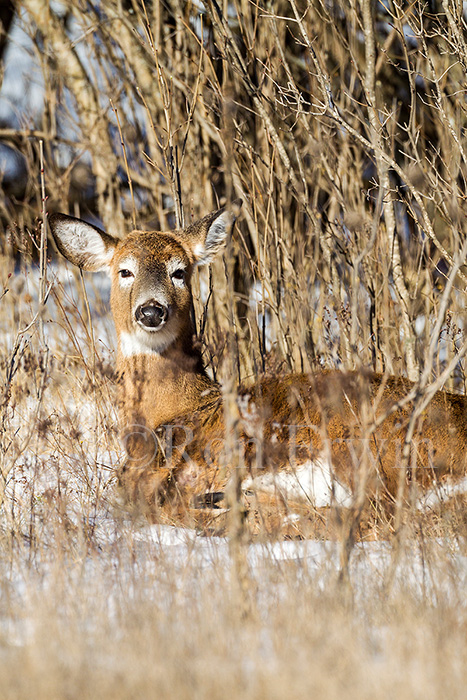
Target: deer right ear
point(81, 243)
point(206, 238)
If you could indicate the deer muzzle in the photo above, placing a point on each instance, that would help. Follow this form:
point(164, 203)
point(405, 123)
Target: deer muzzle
point(151, 315)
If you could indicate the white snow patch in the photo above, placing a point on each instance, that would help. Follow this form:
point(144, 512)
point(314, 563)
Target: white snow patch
point(312, 481)
point(441, 493)
point(420, 323)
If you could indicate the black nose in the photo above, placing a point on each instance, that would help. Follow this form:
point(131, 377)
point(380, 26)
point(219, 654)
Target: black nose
point(151, 315)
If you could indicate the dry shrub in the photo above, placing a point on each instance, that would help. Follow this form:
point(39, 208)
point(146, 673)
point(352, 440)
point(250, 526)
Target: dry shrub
point(341, 126)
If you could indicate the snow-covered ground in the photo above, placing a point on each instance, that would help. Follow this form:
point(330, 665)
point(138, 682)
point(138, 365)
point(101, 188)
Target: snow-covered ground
point(85, 586)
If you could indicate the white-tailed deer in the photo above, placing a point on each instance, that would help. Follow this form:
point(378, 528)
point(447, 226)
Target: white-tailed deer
point(308, 442)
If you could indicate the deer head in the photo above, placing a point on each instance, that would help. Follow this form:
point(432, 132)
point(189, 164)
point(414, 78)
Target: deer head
point(150, 274)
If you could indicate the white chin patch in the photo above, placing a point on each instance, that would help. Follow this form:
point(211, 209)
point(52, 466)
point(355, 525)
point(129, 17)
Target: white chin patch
point(312, 482)
point(147, 329)
point(142, 342)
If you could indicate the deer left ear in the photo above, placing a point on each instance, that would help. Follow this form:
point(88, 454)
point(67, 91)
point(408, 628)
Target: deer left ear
point(81, 243)
point(207, 238)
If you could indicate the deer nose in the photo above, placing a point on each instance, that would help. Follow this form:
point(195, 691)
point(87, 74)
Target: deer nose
point(152, 315)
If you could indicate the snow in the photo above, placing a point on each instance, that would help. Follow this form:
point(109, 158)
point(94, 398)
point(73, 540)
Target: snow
point(370, 565)
point(120, 559)
point(312, 481)
point(441, 493)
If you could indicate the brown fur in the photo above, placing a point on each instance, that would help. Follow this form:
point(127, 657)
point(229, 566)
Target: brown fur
point(327, 409)
point(172, 414)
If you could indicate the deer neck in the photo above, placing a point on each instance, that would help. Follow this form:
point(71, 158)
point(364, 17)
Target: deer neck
point(156, 388)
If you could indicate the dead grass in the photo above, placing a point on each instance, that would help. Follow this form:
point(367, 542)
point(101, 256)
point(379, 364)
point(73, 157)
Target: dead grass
point(93, 604)
point(352, 170)
point(126, 623)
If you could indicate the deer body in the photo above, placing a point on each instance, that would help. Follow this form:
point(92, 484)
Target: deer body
point(306, 442)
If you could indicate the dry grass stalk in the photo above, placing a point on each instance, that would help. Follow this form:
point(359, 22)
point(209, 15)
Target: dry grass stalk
point(346, 145)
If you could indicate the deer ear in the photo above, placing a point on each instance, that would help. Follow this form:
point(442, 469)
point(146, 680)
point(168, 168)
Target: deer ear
point(207, 237)
point(81, 243)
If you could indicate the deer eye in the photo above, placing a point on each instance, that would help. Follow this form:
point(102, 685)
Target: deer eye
point(178, 275)
point(125, 273)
